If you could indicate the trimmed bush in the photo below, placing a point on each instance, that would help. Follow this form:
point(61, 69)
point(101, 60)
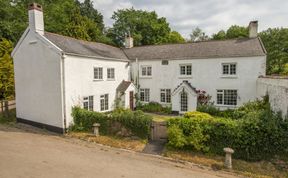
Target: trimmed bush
point(137, 122)
point(257, 134)
point(154, 107)
point(83, 120)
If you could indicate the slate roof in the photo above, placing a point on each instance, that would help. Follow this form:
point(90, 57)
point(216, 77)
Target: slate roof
point(207, 49)
point(123, 86)
point(188, 84)
point(85, 48)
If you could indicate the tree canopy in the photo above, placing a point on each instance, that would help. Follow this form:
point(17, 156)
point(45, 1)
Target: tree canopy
point(198, 35)
point(145, 27)
point(234, 31)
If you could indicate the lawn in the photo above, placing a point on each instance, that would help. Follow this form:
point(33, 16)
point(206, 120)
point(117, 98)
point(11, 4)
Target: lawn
point(160, 117)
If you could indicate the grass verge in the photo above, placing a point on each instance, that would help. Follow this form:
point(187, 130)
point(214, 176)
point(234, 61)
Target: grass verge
point(261, 169)
point(118, 142)
point(8, 118)
point(160, 117)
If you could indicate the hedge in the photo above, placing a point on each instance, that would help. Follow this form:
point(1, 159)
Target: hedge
point(258, 134)
point(154, 107)
point(137, 122)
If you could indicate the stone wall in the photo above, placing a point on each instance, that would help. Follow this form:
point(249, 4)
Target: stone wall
point(277, 89)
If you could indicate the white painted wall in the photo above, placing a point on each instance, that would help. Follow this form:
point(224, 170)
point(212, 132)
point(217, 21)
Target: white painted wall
point(38, 82)
point(206, 75)
point(79, 81)
point(277, 89)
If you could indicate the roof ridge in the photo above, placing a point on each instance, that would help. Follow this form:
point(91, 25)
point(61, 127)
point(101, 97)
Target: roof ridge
point(194, 42)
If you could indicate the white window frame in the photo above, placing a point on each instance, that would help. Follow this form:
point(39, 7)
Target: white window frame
point(185, 67)
point(220, 93)
point(110, 73)
point(104, 102)
point(98, 73)
point(144, 95)
point(165, 95)
point(146, 71)
point(230, 73)
point(88, 103)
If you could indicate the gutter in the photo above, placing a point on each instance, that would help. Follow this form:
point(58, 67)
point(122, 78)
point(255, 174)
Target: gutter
point(63, 90)
point(97, 57)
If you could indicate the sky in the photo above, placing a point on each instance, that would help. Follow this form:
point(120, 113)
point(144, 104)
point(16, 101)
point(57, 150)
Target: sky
point(210, 15)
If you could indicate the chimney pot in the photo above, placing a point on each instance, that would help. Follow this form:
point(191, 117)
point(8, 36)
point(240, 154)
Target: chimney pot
point(253, 29)
point(36, 22)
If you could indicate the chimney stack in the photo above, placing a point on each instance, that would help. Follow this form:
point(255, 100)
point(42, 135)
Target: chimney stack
point(253, 29)
point(36, 22)
point(129, 41)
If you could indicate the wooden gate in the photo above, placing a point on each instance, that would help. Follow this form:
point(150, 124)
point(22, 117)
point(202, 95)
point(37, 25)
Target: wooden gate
point(159, 131)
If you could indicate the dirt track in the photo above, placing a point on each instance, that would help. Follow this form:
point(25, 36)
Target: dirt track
point(35, 155)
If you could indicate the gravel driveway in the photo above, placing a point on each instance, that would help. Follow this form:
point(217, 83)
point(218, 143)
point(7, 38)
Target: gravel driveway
point(35, 155)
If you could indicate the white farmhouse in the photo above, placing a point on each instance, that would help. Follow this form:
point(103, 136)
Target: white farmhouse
point(53, 73)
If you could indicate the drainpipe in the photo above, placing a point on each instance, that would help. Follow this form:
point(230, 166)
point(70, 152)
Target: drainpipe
point(63, 90)
point(137, 72)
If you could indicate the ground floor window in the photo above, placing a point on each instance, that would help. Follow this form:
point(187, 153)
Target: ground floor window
point(145, 94)
point(104, 102)
point(183, 101)
point(227, 97)
point(88, 103)
point(165, 95)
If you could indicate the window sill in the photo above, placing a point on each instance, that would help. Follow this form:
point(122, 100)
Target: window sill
point(226, 106)
point(111, 79)
point(229, 76)
point(185, 77)
point(145, 77)
point(97, 80)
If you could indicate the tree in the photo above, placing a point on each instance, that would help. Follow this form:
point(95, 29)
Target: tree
point(233, 32)
point(174, 37)
point(198, 35)
point(221, 35)
point(275, 41)
point(6, 70)
point(87, 10)
point(145, 27)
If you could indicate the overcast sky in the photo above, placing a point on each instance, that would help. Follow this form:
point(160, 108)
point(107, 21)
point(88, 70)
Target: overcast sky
point(209, 15)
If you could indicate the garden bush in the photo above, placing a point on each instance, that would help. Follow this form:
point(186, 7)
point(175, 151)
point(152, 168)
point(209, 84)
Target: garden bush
point(137, 122)
point(257, 134)
point(154, 107)
point(84, 120)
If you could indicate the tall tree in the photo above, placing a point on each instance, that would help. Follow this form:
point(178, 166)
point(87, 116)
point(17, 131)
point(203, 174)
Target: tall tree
point(198, 35)
point(145, 27)
point(6, 70)
point(174, 37)
point(234, 31)
point(221, 35)
point(275, 41)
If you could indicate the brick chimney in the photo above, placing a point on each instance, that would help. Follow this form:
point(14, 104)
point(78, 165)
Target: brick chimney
point(129, 42)
point(253, 29)
point(36, 22)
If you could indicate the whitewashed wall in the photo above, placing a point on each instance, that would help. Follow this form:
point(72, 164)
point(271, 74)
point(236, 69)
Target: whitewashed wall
point(277, 89)
point(38, 82)
point(206, 75)
point(79, 81)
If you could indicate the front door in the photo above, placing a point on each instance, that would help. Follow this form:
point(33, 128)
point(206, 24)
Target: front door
point(131, 100)
point(183, 101)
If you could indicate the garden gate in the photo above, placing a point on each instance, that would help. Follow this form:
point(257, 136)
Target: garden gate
point(159, 131)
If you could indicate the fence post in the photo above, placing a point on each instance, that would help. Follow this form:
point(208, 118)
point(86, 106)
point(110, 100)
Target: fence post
point(6, 103)
point(1, 105)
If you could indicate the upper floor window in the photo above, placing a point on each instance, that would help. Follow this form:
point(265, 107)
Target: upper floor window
point(165, 95)
point(146, 70)
point(227, 97)
point(98, 73)
point(111, 73)
point(229, 69)
point(185, 69)
point(88, 103)
point(104, 102)
point(145, 94)
point(165, 62)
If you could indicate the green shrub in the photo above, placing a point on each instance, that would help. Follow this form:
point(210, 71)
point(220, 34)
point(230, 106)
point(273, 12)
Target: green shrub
point(259, 134)
point(197, 114)
point(83, 120)
point(154, 107)
point(137, 122)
